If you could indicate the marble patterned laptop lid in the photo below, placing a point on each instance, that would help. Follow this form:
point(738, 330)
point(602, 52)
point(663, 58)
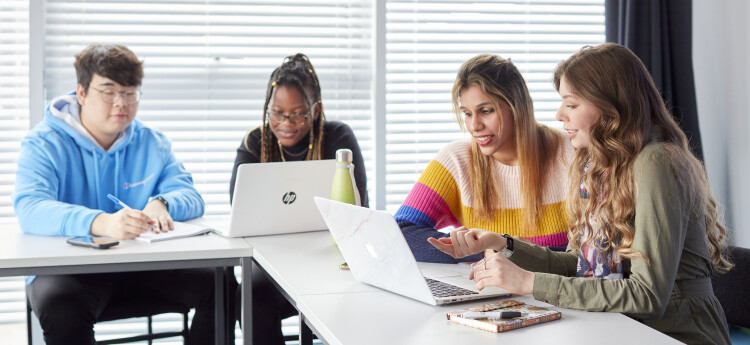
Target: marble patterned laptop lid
point(374, 248)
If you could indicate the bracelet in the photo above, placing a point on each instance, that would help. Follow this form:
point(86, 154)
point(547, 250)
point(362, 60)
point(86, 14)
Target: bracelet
point(166, 204)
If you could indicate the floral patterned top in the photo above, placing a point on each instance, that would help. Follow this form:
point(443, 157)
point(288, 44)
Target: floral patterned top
point(597, 259)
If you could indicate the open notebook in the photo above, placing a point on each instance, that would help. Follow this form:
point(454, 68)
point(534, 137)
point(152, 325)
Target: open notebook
point(180, 230)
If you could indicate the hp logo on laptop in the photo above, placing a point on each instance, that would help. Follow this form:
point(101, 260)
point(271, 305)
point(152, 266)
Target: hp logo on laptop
point(289, 198)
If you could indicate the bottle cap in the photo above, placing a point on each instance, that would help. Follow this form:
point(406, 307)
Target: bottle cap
point(344, 155)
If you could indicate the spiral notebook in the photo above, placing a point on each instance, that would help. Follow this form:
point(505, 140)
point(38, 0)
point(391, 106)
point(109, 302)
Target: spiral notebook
point(531, 315)
point(181, 230)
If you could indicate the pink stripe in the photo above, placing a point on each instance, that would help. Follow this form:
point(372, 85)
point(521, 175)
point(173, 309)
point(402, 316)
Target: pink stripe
point(430, 203)
point(556, 240)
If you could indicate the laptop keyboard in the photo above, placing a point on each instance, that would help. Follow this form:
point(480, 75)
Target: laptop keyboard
point(442, 289)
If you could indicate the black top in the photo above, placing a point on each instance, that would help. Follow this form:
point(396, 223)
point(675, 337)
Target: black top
point(338, 135)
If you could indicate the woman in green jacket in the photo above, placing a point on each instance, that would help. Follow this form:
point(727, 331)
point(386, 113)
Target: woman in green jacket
point(644, 232)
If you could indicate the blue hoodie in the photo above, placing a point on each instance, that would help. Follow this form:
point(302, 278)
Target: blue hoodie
point(64, 175)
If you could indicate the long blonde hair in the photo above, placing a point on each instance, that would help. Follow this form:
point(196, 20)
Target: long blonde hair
point(632, 115)
point(537, 144)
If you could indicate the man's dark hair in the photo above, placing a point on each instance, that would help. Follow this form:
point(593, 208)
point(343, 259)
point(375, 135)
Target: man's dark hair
point(113, 61)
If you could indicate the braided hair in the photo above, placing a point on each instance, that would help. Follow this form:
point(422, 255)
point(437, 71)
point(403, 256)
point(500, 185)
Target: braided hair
point(295, 71)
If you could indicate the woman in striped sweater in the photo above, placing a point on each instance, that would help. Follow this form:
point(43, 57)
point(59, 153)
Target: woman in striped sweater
point(510, 178)
point(645, 233)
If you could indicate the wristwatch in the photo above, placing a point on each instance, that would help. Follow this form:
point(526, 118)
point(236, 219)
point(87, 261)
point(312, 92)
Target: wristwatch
point(508, 250)
point(166, 204)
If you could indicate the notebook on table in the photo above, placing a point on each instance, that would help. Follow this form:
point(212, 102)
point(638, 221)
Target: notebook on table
point(276, 198)
point(530, 315)
point(181, 230)
point(377, 254)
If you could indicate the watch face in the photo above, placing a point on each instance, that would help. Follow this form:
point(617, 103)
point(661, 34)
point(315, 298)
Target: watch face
point(506, 252)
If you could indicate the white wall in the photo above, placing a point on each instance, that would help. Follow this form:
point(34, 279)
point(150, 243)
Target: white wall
point(721, 37)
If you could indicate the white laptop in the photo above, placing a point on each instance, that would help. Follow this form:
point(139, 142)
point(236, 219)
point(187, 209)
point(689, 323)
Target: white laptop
point(277, 198)
point(377, 254)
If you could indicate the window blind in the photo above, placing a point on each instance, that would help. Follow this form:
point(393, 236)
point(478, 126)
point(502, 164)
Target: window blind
point(426, 43)
point(14, 120)
point(207, 64)
point(14, 92)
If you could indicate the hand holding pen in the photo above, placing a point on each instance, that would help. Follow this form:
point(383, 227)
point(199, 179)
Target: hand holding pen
point(126, 223)
point(155, 210)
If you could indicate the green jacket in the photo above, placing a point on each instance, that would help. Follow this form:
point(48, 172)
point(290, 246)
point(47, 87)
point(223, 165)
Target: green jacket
point(672, 293)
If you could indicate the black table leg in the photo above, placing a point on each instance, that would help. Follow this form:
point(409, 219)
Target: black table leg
point(247, 295)
point(219, 301)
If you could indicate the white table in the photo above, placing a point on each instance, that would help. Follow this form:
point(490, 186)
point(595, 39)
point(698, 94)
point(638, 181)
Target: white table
point(341, 310)
point(304, 264)
point(22, 254)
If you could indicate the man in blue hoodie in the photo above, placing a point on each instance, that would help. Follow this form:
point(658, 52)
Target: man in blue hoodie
point(89, 145)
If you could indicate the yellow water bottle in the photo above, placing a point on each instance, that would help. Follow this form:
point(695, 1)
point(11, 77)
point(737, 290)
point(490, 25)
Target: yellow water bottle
point(342, 188)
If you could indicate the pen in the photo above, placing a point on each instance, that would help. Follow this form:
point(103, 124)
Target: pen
point(491, 314)
point(117, 201)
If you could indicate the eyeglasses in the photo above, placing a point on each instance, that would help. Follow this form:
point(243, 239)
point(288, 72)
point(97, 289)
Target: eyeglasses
point(298, 119)
point(111, 96)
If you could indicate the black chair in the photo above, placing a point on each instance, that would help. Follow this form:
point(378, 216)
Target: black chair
point(118, 311)
point(733, 288)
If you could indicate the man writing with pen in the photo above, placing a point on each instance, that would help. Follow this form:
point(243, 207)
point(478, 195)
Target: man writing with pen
point(88, 146)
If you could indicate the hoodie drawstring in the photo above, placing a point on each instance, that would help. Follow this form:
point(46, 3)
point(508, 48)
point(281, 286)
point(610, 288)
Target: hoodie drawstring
point(117, 171)
point(96, 179)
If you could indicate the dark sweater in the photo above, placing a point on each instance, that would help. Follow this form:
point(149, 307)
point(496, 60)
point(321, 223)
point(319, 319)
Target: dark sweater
point(338, 135)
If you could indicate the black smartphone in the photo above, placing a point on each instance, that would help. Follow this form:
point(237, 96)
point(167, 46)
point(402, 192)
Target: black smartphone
point(93, 242)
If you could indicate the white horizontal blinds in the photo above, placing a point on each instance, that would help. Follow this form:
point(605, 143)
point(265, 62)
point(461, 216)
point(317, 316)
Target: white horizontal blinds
point(12, 300)
point(207, 65)
point(14, 121)
point(426, 43)
point(14, 93)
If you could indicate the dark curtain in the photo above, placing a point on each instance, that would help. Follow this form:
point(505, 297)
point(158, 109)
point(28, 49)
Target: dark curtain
point(660, 33)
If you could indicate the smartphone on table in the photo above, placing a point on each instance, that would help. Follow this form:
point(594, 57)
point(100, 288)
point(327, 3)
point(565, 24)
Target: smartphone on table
point(93, 242)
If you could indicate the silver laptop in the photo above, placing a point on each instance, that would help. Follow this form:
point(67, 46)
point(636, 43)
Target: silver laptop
point(377, 254)
point(276, 198)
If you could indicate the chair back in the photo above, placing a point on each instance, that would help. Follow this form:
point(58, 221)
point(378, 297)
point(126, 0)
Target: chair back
point(733, 288)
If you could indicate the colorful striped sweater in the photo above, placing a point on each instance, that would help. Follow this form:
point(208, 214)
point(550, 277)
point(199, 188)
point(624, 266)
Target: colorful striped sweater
point(443, 197)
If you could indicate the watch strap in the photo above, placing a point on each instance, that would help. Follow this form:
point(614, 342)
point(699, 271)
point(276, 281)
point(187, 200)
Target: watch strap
point(508, 241)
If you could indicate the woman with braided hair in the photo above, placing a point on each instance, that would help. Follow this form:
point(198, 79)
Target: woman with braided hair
point(294, 128)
